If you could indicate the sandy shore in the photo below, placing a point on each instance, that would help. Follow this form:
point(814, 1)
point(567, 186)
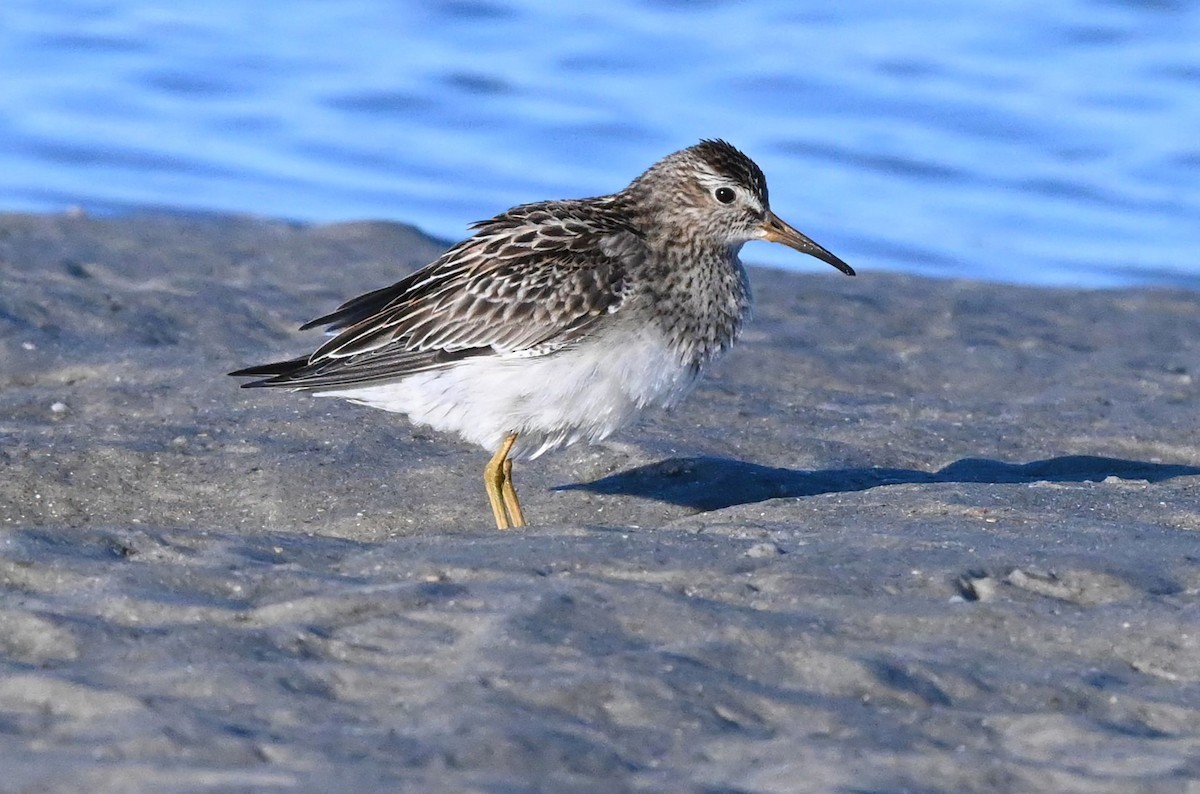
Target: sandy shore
point(912, 535)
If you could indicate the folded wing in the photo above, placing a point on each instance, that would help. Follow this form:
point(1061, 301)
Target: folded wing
point(528, 282)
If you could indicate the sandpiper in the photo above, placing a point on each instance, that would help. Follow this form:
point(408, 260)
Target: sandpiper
point(558, 321)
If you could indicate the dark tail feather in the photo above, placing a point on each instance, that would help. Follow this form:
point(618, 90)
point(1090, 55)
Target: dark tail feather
point(276, 373)
point(362, 307)
point(354, 310)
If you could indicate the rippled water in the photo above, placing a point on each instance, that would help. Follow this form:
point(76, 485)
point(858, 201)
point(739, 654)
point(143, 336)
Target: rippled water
point(1039, 142)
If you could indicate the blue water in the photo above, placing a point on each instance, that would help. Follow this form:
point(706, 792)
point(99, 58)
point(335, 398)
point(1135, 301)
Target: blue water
point(1035, 142)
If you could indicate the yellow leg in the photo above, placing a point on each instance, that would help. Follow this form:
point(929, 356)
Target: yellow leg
point(498, 485)
point(509, 491)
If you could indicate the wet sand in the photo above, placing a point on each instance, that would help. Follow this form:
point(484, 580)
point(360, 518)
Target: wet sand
point(911, 535)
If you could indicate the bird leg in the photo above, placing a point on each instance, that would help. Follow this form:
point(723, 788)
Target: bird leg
point(511, 503)
point(497, 481)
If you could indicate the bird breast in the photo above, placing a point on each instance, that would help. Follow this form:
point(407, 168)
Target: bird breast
point(701, 303)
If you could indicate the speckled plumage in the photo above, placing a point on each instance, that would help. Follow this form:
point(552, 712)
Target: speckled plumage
point(559, 321)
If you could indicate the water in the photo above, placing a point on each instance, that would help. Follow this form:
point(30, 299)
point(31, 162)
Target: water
point(1034, 142)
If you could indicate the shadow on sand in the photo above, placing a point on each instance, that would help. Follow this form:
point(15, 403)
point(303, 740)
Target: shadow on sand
point(713, 483)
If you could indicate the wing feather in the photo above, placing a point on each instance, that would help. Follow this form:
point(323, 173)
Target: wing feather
point(527, 282)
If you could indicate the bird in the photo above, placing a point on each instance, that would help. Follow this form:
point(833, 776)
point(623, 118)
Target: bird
point(559, 321)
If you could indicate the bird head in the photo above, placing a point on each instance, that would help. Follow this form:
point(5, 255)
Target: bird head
point(714, 190)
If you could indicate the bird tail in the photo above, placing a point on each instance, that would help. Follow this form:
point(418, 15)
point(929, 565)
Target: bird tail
point(276, 374)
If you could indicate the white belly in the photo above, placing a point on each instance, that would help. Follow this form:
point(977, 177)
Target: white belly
point(583, 393)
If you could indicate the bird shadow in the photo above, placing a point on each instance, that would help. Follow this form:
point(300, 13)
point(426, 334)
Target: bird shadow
point(706, 483)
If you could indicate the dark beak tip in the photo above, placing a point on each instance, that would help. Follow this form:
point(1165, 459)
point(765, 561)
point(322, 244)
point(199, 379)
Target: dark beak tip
point(830, 259)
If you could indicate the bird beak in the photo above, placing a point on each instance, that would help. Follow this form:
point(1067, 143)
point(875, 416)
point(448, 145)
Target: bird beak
point(774, 230)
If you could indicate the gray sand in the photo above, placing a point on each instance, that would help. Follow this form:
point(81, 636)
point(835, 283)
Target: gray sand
point(912, 535)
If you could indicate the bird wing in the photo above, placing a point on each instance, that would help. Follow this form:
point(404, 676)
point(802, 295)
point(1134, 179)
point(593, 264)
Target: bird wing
point(528, 282)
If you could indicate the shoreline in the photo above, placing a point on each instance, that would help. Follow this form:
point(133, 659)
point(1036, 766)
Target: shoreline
point(910, 532)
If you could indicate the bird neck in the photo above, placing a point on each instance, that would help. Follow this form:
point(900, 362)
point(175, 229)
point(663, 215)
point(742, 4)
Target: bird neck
point(703, 294)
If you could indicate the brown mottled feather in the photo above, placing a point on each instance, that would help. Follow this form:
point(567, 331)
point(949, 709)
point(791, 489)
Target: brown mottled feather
point(529, 281)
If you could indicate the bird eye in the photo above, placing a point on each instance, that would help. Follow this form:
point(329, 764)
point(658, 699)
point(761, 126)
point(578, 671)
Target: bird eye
point(725, 195)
